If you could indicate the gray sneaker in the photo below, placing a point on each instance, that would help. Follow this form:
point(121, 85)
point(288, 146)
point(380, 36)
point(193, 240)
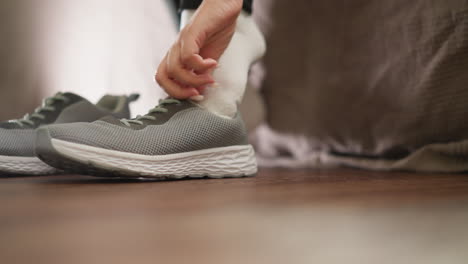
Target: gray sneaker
point(17, 137)
point(177, 139)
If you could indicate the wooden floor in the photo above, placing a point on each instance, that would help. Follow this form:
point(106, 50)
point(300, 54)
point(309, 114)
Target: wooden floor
point(280, 216)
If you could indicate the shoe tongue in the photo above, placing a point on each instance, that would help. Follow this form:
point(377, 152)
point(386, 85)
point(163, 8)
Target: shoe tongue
point(73, 97)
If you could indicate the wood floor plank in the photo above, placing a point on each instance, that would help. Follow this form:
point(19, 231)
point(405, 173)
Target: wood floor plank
point(280, 216)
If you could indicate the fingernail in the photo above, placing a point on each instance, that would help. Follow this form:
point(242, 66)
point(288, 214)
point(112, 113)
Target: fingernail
point(212, 61)
point(195, 92)
point(197, 98)
point(215, 85)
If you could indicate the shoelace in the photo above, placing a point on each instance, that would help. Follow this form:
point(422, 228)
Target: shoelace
point(158, 109)
point(46, 107)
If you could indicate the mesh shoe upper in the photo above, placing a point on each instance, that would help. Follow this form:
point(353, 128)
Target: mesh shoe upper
point(189, 129)
point(17, 137)
point(17, 142)
point(48, 117)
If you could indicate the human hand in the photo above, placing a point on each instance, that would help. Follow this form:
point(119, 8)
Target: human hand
point(188, 66)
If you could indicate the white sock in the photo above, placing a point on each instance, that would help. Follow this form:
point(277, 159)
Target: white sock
point(247, 46)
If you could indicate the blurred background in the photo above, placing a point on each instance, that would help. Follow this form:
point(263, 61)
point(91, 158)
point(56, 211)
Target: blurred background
point(370, 78)
point(364, 78)
point(88, 47)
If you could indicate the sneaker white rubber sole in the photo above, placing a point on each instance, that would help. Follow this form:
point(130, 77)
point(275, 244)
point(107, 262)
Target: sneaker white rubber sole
point(10, 165)
point(232, 161)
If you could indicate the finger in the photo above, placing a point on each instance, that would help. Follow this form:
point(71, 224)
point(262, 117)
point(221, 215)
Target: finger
point(190, 56)
point(172, 87)
point(197, 98)
point(198, 64)
point(201, 89)
point(176, 70)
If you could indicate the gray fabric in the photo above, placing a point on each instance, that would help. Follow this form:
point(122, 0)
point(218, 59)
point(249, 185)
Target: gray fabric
point(447, 158)
point(369, 79)
point(17, 142)
point(188, 130)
